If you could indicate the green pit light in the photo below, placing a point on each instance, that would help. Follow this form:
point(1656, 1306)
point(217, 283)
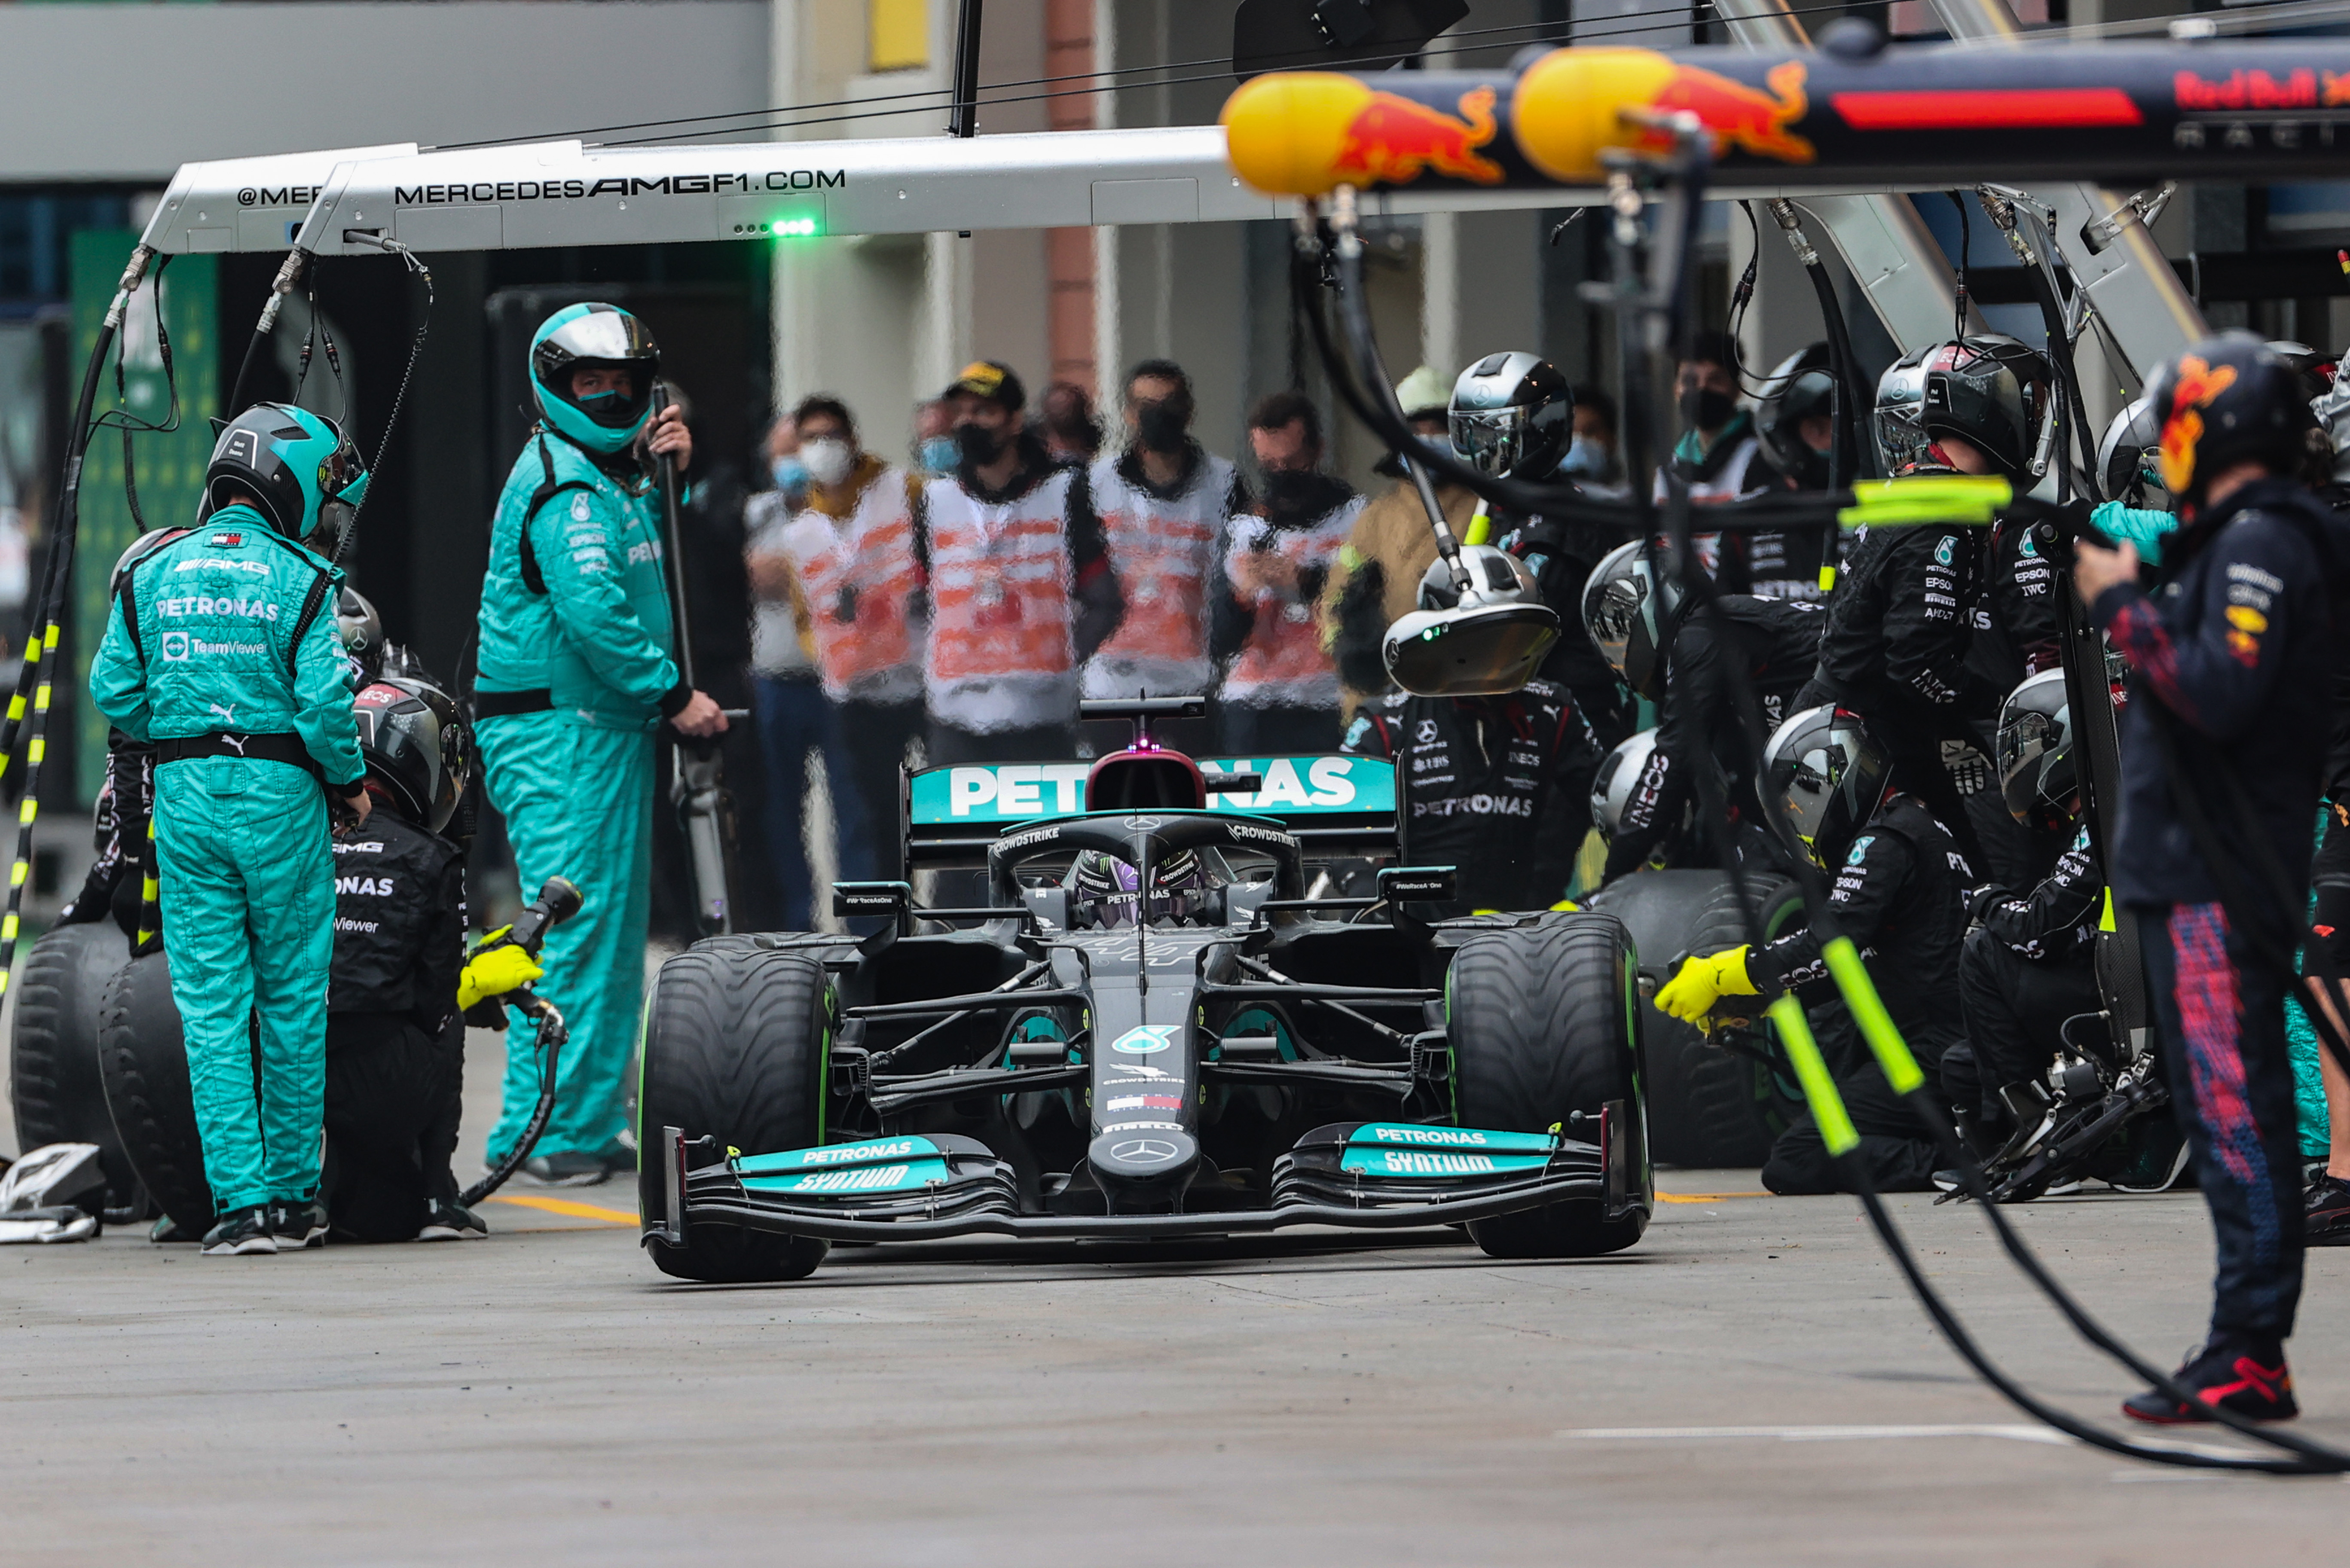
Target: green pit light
point(793, 228)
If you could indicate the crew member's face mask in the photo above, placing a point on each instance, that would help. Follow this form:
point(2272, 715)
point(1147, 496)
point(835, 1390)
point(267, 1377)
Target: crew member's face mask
point(978, 444)
point(1714, 408)
point(1586, 459)
point(829, 459)
point(1161, 425)
point(789, 472)
point(1287, 490)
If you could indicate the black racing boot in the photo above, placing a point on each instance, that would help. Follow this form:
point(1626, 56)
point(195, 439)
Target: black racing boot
point(246, 1231)
point(446, 1222)
point(299, 1224)
point(2326, 1220)
point(2242, 1376)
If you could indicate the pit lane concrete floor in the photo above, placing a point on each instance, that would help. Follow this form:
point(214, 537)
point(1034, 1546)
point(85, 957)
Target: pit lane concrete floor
point(1749, 1385)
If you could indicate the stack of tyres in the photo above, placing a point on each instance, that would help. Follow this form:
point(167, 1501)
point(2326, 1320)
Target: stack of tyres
point(54, 1071)
point(144, 1056)
point(1707, 1106)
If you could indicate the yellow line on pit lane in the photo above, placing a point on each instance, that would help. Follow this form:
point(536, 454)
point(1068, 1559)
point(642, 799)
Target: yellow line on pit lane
point(1705, 1197)
point(565, 1206)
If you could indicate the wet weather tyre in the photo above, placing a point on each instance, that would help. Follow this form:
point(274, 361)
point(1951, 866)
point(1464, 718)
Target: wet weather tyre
point(1541, 1027)
point(53, 1069)
point(1710, 1107)
point(144, 1056)
point(735, 1049)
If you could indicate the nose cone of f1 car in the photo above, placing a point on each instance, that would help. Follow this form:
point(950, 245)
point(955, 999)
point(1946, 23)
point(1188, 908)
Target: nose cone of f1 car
point(1144, 1167)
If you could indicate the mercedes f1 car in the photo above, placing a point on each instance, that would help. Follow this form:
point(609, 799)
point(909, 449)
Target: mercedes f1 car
point(1151, 1027)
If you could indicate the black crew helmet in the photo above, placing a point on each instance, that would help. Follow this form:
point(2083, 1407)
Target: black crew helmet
point(2035, 749)
point(1823, 775)
point(2228, 400)
point(361, 629)
point(1630, 613)
point(1511, 416)
point(1989, 389)
point(297, 467)
point(416, 744)
point(1801, 388)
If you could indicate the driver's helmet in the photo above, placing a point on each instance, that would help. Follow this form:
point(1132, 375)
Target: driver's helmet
point(1105, 891)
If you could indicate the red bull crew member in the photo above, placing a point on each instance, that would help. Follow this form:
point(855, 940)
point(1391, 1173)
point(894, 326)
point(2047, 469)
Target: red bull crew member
point(2223, 752)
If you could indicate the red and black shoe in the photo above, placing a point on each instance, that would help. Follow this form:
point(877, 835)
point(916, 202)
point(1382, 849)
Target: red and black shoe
point(2239, 1377)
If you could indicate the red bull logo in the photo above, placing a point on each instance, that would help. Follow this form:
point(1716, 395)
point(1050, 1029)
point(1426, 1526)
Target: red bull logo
point(1393, 140)
point(1748, 119)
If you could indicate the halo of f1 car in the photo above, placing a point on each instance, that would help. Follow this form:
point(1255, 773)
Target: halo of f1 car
point(1153, 1027)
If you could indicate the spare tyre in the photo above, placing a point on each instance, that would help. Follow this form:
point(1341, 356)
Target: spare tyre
point(737, 1042)
point(54, 1081)
point(144, 1057)
point(1541, 1025)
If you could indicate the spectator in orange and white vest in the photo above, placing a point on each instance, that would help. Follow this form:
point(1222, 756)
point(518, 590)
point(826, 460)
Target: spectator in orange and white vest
point(1281, 691)
point(1022, 588)
point(853, 547)
point(1163, 503)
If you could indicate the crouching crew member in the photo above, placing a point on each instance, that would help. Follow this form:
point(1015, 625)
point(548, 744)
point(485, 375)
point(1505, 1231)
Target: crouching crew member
point(1497, 787)
point(2223, 749)
point(1900, 895)
point(1676, 661)
point(2030, 964)
point(221, 650)
point(395, 1040)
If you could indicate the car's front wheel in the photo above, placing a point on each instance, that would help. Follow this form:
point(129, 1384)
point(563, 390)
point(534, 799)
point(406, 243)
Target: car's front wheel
point(736, 1040)
point(1541, 1027)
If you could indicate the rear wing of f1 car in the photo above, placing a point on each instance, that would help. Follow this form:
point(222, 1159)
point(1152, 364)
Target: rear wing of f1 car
point(1335, 806)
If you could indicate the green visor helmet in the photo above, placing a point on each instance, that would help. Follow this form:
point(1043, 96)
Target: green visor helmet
point(299, 468)
point(586, 337)
point(1823, 775)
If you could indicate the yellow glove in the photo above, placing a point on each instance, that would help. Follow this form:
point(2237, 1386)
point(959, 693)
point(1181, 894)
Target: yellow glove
point(495, 971)
point(1691, 994)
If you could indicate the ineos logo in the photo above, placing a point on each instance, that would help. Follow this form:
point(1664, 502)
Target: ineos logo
point(1143, 1151)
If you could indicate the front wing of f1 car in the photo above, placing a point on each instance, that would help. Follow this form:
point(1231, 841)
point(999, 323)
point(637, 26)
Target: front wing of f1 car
point(1359, 1175)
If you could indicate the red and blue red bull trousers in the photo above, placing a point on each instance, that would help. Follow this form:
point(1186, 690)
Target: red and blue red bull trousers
point(2219, 1007)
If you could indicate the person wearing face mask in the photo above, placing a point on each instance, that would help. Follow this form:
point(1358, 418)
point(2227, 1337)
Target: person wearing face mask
point(1281, 689)
point(785, 469)
point(843, 567)
point(1375, 581)
point(1022, 589)
point(1594, 461)
point(935, 452)
point(1718, 449)
point(1164, 501)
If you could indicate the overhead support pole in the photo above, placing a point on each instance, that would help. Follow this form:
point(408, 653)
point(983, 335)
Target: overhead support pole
point(1886, 246)
point(962, 120)
point(2144, 314)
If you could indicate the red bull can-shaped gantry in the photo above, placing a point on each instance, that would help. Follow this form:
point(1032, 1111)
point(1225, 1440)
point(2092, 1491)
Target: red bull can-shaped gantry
point(1922, 116)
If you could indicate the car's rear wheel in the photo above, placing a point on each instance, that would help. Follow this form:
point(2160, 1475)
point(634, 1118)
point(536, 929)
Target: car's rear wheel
point(735, 1050)
point(54, 1081)
point(144, 1055)
point(1709, 1107)
point(1541, 1027)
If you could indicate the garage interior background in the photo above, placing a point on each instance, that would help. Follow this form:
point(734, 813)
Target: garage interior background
point(746, 326)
